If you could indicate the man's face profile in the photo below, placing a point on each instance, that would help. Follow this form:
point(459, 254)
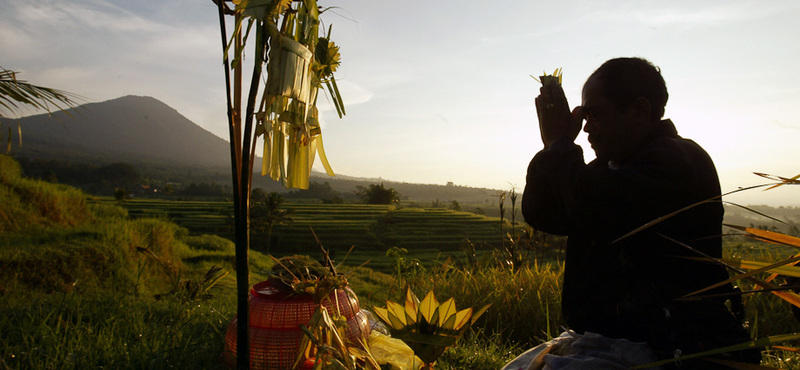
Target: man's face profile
point(612, 132)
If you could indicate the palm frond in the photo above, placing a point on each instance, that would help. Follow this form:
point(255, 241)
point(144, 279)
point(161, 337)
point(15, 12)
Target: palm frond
point(15, 93)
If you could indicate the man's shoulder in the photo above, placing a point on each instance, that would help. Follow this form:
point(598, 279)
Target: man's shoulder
point(677, 146)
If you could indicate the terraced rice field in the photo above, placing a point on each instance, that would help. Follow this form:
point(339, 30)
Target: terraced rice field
point(427, 233)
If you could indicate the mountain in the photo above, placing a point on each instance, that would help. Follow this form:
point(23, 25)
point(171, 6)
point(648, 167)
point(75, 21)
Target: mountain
point(132, 129)
point(165, 146)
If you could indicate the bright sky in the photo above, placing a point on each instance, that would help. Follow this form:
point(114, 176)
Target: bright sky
point(439, 91)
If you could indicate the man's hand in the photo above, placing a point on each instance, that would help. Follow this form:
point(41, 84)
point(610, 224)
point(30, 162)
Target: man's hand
point(555, 120)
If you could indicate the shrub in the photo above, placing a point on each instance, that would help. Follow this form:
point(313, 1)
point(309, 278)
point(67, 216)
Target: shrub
point(210, 243)
point(34, 203)
point(106, 211)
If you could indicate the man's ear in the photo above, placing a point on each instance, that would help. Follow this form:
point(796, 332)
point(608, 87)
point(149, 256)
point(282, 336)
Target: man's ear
point(641, 109)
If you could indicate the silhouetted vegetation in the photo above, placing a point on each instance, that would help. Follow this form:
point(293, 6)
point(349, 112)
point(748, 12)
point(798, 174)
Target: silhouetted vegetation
point(267, 213)
point(377, 194)
point(316, 190)
point(206, 190)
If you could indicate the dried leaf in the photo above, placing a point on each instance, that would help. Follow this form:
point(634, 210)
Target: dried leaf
point(771, 236)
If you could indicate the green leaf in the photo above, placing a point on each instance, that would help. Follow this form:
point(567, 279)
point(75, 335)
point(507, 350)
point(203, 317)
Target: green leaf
point(340, 103)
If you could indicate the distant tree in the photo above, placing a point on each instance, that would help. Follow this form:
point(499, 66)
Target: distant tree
point(50, 176)
point(333, 200)
point(316, 190)
point(205, 190)
point(266, 214)
point(120, 194)
point(258, 195)
point(455, 206)
point(437, 204)
point(377, 194)
point(479, 211)
point(168, 189)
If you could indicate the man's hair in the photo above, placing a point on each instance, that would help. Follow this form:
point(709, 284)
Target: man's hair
point(623, 80)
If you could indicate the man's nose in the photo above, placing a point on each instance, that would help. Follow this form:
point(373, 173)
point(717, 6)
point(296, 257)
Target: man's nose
point(589, 126)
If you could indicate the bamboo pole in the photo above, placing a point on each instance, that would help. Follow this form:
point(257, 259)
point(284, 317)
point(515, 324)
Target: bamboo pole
point(240, 198)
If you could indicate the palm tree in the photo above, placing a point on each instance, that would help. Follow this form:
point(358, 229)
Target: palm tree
point(16, 93)
point(268, 213)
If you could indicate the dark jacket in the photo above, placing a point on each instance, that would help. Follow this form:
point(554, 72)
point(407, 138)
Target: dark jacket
point(626, 288)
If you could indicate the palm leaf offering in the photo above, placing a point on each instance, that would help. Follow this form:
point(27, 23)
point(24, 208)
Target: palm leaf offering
point(299, 61)
point(427, 326)
point(545, 79)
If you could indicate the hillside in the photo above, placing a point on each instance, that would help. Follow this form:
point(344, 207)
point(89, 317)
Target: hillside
point(132, 129)
point(166, 147)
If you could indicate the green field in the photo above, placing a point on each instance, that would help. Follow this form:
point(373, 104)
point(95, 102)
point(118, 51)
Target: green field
point(88, 284)
point(429, 234)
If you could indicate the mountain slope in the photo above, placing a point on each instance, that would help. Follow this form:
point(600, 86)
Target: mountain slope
point(131, 129)
point(165, 146)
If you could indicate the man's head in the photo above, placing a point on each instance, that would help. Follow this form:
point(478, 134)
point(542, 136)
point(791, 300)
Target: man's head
point(622, 102)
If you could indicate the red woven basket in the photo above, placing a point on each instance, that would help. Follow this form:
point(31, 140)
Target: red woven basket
point(275, 319)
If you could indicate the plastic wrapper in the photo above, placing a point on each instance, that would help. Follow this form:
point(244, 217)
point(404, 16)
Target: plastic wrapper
point(392, 351)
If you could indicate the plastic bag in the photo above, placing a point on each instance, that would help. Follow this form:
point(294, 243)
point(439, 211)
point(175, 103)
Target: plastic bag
point(393, 351)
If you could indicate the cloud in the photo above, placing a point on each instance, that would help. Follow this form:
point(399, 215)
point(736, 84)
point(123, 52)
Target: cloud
point(352, 94)
point(98, 15)
point(715, 15)
point(711, 15)
point(783, 125)
point(12, 38)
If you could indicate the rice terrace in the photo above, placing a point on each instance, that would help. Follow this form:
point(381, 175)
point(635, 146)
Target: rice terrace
point(430, 233)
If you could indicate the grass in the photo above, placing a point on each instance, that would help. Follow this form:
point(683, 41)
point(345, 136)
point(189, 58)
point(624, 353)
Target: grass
point(34, 203)
point(67, 330)
point(104, 292)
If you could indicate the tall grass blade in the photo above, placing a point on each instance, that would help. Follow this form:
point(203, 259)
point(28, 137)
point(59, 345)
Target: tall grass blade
point(764, 266)
point(770, 236)
point(756, 212)
point(739, 365)
point(762, 342)
point(783, 180)
point(745, 275)
point(670, 215)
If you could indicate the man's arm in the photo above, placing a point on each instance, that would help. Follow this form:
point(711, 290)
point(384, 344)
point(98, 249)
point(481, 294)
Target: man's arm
point(542, 201)
point(563, 192)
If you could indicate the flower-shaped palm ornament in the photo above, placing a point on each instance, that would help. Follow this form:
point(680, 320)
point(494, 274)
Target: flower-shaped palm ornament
point(428, 327)
point(544, 79)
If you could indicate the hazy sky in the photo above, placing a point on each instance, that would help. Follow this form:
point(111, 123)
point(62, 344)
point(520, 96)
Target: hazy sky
point(439, 91)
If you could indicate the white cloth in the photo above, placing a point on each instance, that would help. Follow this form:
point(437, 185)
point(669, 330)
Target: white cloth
point(590, 351)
